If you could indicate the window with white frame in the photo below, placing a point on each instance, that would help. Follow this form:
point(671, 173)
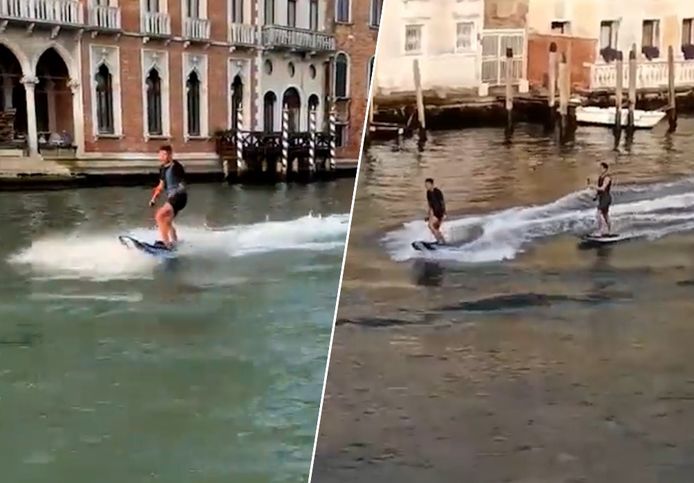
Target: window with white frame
point(269, 12)
point(650, 34)
point(193, 8)
point(195, 100)
point(313, 14)
point(154, 103)
point(688, 31)
point(237, 11)
point(341, 75)
point(413, 39)
point(608, 34)
point(464, 38)
point(152, 6)
point(104, 100)
point(375, 16)
point(106, 113)
point(291, 13)
point(155, 93)
point(342, 11)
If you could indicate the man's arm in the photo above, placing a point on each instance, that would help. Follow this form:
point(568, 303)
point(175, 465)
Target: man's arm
point(156, 192)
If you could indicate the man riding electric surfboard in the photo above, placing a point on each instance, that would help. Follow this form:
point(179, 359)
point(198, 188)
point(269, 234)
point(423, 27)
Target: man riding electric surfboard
point(172, 181)
point(437, 210)
point(604, 199)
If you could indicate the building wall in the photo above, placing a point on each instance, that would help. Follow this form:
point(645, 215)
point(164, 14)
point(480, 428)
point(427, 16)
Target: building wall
point(580, 53)
point(441, 63)
point(499, 14)
point(585, 17)
point(357, 39)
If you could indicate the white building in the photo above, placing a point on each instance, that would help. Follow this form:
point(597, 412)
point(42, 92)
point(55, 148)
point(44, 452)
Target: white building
point(445, 35)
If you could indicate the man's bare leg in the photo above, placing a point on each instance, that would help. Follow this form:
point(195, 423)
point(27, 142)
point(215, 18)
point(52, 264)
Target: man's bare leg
point(434, 224)
point(164, 219)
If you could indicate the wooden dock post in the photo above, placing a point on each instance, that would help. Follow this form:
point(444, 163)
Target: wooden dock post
point(672, 102)
point(552, 87)
point(333, 133)
point(312, 140)
point(285, 140)
point(240, 164)
point(564, 93)
point(632, 89)
point(421, 113)
point(509, 89)
point(619, 67)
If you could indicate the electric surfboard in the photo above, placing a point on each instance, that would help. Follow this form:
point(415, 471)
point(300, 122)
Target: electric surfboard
point(423, 246)
point(592, 240)
point(157, 249)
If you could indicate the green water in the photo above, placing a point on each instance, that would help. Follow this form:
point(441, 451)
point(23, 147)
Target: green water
point(116, 367)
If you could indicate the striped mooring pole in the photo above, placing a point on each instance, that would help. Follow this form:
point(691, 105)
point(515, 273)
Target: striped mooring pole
point(285, 138)
point(333, 119)
point(239, 138)
point(312, 140)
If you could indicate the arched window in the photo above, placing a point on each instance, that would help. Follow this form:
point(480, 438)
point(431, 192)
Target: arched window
point(292, 101)
point(313, 103)
point(104, 100)
point(370, 74)
point(269, 111)
point(154, 120)
point(193, 103)
point(236, 101)
point(341, 70)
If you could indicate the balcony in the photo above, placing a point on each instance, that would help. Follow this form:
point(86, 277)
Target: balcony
point(301, 40)
point(243, 34)
point(156, 25)
point(104, 18)
point(55, 13)
point(649, 75)
point(196, 29)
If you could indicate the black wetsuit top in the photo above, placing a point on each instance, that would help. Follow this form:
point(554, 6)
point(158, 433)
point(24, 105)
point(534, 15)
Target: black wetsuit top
point(436, 202)
point(173, 175)
point(604, 197)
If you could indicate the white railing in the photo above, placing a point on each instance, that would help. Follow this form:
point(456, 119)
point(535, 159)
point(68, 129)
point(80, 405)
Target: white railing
point(62, 12)
point(649, 75)
point(243, 34)
point(157, 24)
point(104, 17)
point(300, 39)
point(196, 28)
point(494, 45)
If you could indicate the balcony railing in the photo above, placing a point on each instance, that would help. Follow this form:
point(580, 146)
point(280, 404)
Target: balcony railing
point(105, 18)
point(649, 75)
point(243, 34)
point(297, 39)
point(196, 28)
point(55, 12)
point(156, 24)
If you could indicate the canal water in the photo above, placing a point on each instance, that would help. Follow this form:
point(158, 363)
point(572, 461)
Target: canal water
point(117, 367)
point(515, 356)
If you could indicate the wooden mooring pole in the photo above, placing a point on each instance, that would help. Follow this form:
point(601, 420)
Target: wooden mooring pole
point(421, 113)
point(564, 93)
point(632, 89)
point(509, 90)
point(552, 87)
point(672, 102)
point(619, 67)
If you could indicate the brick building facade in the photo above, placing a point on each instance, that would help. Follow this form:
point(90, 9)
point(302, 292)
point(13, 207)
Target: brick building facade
point(117, 78)
point(355, 24)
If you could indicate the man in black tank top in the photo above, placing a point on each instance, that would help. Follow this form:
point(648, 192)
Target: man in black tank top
point(172, 182)
point(604, 199)
point(437, 209)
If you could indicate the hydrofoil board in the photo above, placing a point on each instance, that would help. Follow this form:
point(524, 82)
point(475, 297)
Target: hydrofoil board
point(595, 240)
point(158, 249)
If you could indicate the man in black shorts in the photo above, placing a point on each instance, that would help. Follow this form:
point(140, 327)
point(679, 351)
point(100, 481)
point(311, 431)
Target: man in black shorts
point(604, 199)
point(437, 209)
point(172, 181)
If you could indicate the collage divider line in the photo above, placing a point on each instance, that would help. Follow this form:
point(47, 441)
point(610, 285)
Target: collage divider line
point(349, 230)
